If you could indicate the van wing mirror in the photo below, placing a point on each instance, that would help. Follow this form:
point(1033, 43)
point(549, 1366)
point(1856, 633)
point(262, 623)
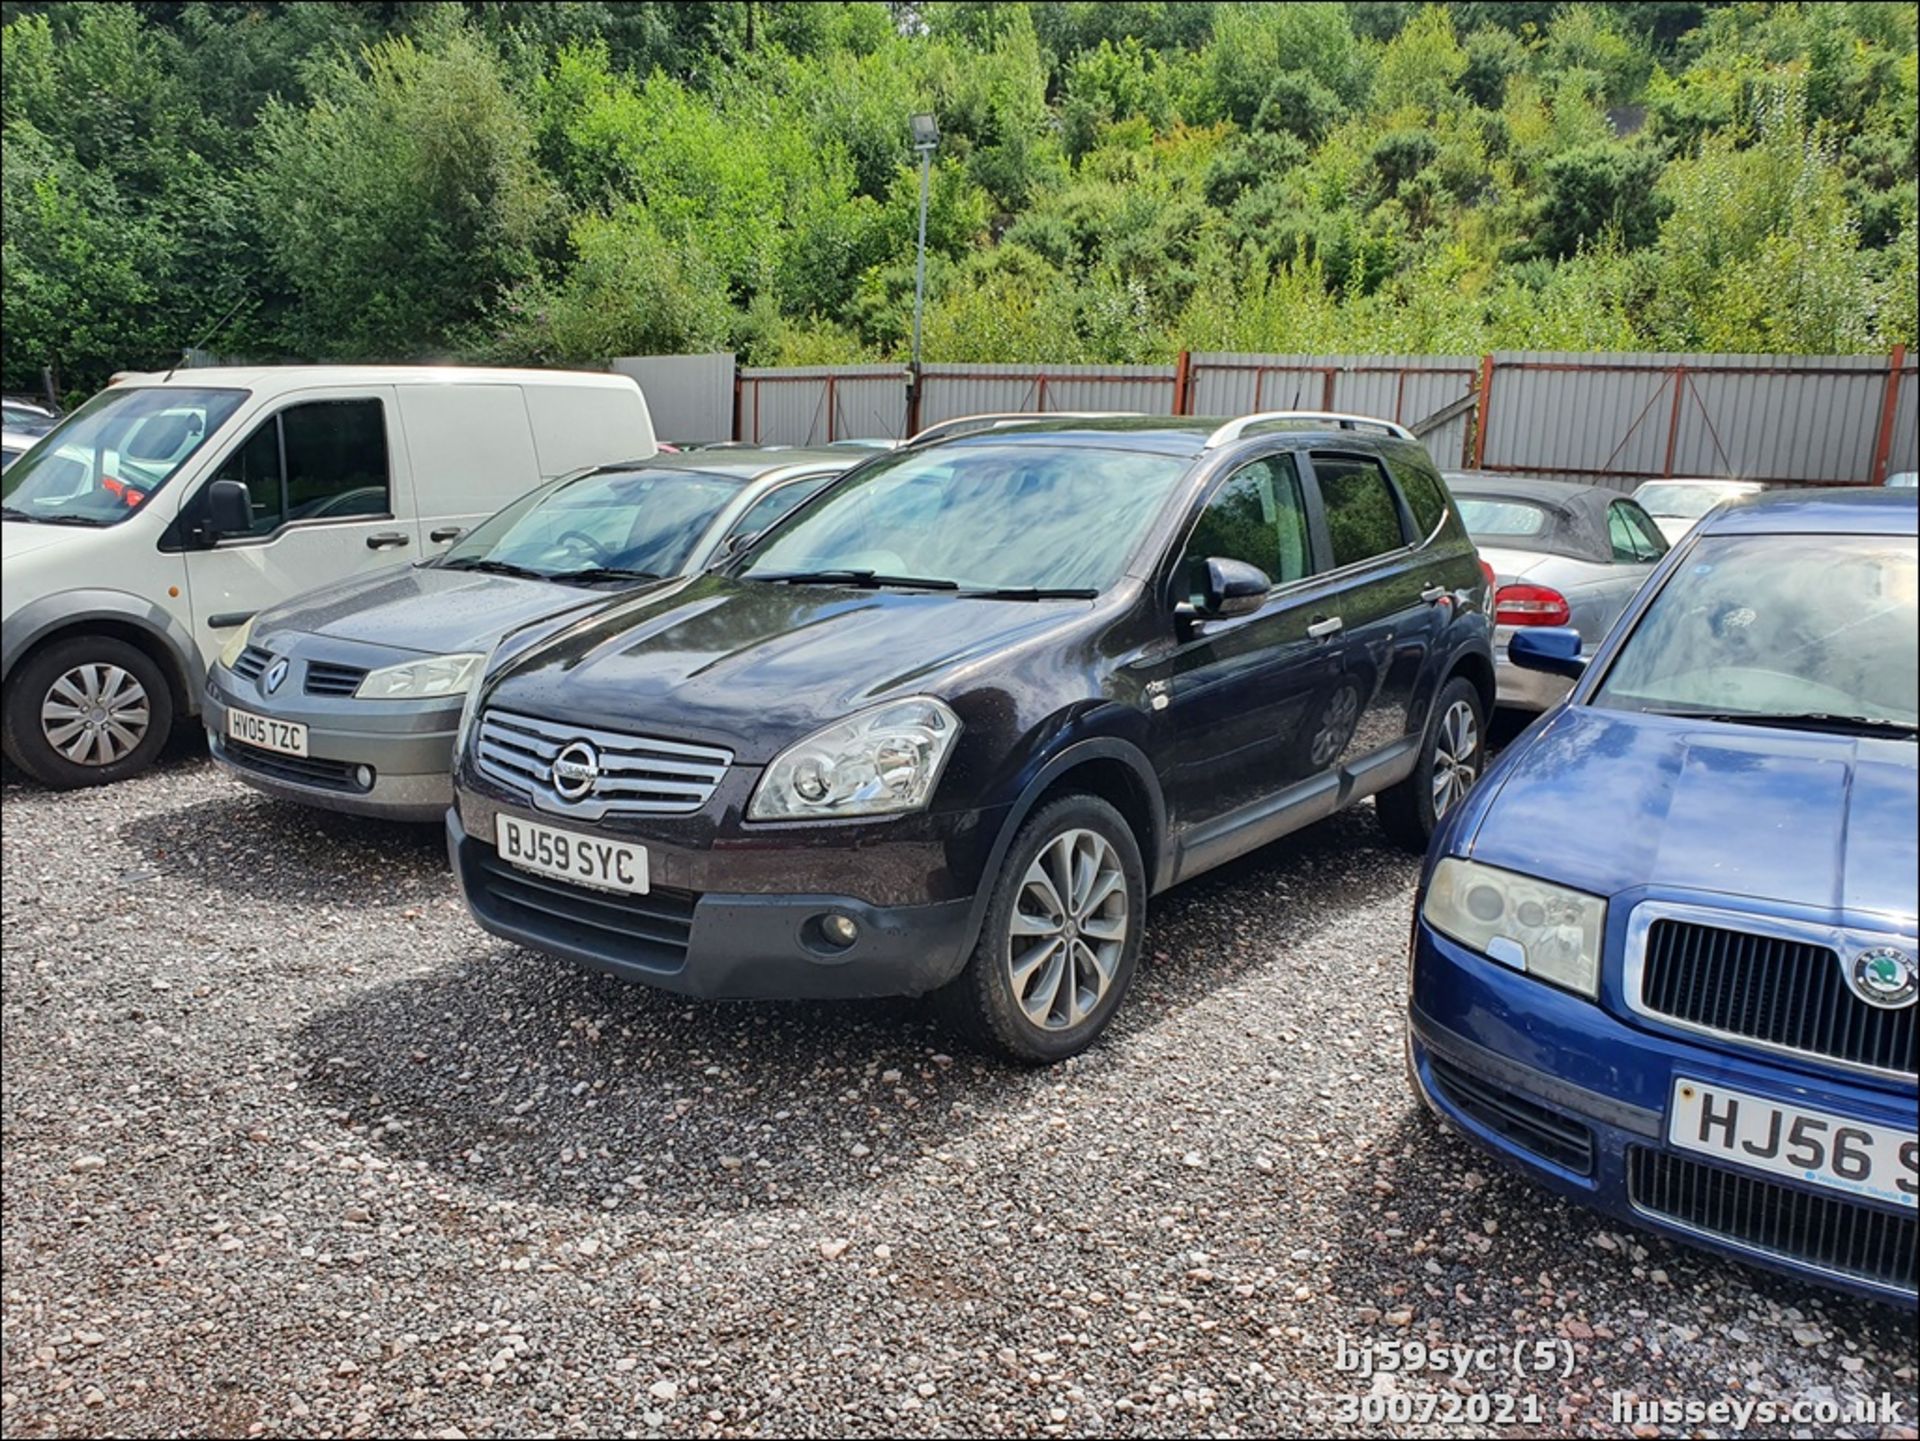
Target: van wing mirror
point(229, 508)
point(1554, 649)
point(1228, 588)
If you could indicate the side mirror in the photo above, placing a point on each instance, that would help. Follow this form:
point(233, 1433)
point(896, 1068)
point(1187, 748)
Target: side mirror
point(229, 508)
point(1227, 588)
point(1554, 649)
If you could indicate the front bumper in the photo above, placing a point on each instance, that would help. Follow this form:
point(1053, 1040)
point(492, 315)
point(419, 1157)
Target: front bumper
point(408, 745)
point(715, 944)
point(1566, 1092)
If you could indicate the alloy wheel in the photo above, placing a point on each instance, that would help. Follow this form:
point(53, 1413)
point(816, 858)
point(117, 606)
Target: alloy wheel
point(1456, 757)
point(95, 714)
point(1068, 929)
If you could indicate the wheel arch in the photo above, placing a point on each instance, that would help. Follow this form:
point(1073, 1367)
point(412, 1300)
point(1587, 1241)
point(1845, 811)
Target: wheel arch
point(154, 632)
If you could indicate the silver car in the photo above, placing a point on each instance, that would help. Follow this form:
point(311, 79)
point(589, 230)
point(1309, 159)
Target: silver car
point(1561, 554)
point(1677, 505)
point(348, 697)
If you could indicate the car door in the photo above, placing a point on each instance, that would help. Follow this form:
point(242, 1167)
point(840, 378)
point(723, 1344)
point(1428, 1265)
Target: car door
point(1637, 547)
point(329, 501)
point(1387, 605)
point(1238, 700)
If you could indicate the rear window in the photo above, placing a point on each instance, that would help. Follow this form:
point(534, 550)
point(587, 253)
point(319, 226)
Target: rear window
point(1485, 518)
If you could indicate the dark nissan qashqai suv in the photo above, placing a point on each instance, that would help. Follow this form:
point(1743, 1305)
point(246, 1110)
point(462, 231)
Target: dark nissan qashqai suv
point(955, 719)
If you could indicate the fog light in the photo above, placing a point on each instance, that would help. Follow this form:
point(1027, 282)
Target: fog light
point(840, 930)
point(363, 777)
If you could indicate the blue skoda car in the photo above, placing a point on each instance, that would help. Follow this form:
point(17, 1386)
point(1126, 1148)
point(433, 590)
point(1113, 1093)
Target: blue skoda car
point(1665, 955)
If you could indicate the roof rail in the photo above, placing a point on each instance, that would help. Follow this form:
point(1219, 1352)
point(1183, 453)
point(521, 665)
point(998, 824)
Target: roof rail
point(963, 424)
point(1333, 420)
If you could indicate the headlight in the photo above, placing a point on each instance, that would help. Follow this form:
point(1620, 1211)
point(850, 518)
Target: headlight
point(230, 652)
point(420, 679)
point(1545, 930)
point(878, 762)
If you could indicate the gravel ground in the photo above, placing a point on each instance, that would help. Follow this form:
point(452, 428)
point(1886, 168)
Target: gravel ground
point(293, 1148)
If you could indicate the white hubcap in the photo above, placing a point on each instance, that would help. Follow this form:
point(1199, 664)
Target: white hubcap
point(95, 714)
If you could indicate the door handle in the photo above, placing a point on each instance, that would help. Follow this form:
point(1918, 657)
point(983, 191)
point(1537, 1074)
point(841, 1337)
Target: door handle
point(386, 540)
point(1434, 592)
point(447, 532)
point(1325, 626)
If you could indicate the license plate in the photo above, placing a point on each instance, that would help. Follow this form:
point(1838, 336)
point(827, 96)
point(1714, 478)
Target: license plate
point(570, 856)
point(1858, 1157)
point(287, 737)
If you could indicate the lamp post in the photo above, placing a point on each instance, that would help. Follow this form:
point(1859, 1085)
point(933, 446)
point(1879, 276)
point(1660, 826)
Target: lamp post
point(926, 135)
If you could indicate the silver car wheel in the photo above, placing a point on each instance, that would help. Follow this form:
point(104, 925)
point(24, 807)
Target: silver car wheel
point(1456, 763)
point(1067, 930)
point(95, 714)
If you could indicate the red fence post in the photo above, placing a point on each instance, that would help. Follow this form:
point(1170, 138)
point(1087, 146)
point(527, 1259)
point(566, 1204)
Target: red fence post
point(735, 434)
point(830, 380)
point(1883, 443)
point(1481, 411)
point(1673, 420)
point(1182, 384)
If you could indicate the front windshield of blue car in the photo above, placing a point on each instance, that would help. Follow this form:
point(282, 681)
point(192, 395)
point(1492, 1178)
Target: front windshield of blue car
point(1754, 626)
point(105, 461)
point(644, 521)
point(987, 516)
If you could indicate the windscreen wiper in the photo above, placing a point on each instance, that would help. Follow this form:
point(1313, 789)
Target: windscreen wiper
point(861, 579)
point(10, 513)
point(594, 573)
point(493, 567)
point(90, 522)
point(1809, 721)
point(1031, 592)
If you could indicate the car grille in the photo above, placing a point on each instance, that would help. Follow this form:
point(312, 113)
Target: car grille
point(1839, 1236)
point(1780, 992)
point(1527, 1124)
point(638, 775)
point(253, 659)
point(299, 770)
point(326, 678)
point(649, 931)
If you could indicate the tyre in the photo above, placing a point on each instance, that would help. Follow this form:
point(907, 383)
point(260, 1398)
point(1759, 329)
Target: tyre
point(1061, 937)
point(86, 712)
point(1452, 756)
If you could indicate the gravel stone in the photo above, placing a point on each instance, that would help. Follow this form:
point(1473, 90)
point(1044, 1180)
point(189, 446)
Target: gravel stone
point(354, 1168)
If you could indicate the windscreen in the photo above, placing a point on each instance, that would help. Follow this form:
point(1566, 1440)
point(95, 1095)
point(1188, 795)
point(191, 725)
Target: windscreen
point(107, 459)
point(641, 521)
point(980, 516)
point(1780, 625)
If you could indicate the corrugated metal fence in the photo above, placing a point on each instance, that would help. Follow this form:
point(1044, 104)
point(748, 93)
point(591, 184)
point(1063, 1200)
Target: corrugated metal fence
point(1612, 418)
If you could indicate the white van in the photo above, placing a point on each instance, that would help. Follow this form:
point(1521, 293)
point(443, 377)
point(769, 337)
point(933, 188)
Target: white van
point(144, 530)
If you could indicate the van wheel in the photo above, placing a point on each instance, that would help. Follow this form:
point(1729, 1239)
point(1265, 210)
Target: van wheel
point(1061, 936)
point(86, 712)
point(1451, 759)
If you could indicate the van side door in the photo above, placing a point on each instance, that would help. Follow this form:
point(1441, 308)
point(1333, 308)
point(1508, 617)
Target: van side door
point(329, 502)
point(471, 452)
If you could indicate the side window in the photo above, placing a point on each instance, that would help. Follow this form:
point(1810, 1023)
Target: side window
point(1258, 517)
point(775, 504)
point(324, 460)
point(1653, 544)
point(1426, 496)
point(1363, 517)
point(256, 465)
point(336, 459)
point(1622, 536)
